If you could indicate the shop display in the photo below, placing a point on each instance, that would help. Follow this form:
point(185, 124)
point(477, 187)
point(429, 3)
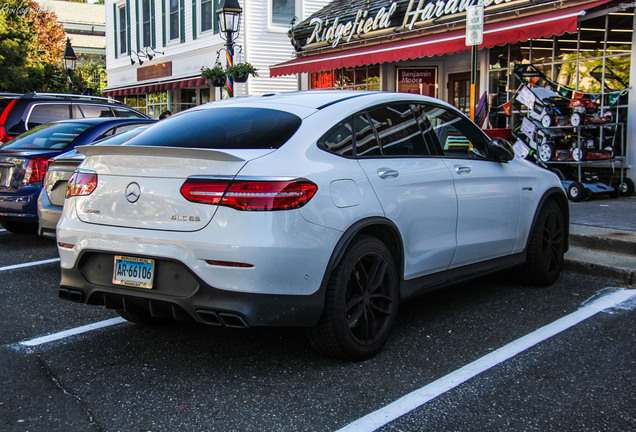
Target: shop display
point(557, 126)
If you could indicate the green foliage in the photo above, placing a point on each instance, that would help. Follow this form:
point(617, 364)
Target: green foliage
point(242, 69)
point(215, 74)
point(31, 44)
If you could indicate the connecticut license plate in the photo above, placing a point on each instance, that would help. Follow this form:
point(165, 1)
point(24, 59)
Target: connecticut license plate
point(133, 272)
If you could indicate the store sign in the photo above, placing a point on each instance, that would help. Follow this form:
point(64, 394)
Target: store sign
point(160, 70)
point(429, 10)
point(422, 81)
point(363, 23)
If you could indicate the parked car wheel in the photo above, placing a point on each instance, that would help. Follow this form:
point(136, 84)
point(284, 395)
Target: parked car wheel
point(546, 247)
point(20, 227)
point(361, 303)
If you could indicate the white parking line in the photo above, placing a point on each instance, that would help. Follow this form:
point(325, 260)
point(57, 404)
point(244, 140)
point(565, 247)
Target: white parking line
point(29, 264)
point(416, 399)
point(72, 332)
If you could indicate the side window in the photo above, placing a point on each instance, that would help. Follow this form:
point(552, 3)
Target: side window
point(432, 146)
point(339, 140)
point(95, 111)
point(173, 20)
point(122, 29)
point(366, 142)
point(46, 113)
point(146, 23)
point(208, 15)
point(398, 131)
point(283, 12)
point(456, 136)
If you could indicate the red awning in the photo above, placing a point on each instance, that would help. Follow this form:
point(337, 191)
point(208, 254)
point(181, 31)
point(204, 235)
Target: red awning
point(547, 24)
point(155, 87)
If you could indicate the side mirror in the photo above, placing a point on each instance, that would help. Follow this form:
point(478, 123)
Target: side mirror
point(501, 150)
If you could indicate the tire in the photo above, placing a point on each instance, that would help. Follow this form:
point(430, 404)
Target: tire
point(576, 191)
point(578, 154)
point(142, 318)
point(361, 303)
point(20, 227)
point(546, 152)
point(546, 120)
point(576, 119)
point(546, 247)
point(626, 188)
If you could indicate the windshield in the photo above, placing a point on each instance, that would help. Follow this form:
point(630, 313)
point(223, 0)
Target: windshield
point(222, 128)
point(51, 136)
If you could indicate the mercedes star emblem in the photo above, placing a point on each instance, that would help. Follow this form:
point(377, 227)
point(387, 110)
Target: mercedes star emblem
point(132, 192)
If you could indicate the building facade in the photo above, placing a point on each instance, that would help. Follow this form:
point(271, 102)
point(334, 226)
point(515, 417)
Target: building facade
point(156, 49)
point(419, 46)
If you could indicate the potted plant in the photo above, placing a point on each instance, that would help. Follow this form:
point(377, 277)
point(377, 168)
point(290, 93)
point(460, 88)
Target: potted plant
point(241, 71)
point(215, 75)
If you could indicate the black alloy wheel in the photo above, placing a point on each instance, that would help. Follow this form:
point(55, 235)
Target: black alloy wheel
point(546, 247)
point(361, 303)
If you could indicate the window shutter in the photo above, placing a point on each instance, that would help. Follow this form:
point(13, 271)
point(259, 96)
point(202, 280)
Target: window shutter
point(115, 27)
point(215, 4)
point(153, 25)
point(182, 20)
point(163, 21)
point(137, 23)
point(128, 24)
point(194, 19)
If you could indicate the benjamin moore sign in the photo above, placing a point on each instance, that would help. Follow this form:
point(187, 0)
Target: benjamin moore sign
point(352, 23)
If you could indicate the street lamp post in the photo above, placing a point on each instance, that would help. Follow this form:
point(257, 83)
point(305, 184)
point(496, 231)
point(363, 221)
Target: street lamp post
point(229, 16)
point(69, 58)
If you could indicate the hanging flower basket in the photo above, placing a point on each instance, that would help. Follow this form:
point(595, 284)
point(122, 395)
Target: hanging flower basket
point(215, 75)
point(240, 72)
point(240, 78)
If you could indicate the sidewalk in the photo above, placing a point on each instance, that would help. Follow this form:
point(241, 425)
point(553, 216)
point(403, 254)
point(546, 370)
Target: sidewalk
point(603, 239)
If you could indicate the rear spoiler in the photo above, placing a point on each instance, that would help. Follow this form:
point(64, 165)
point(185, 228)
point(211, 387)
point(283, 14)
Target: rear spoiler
point(179, 152)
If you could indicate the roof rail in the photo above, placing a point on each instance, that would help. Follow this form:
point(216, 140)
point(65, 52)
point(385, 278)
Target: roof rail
point(72, 96)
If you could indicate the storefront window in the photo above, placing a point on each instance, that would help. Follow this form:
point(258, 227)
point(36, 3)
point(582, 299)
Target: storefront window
point(156, 104)
point(594, 61)
point(360, 78)
point(138, 102)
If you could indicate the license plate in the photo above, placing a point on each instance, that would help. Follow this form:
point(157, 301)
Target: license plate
point(133, 272)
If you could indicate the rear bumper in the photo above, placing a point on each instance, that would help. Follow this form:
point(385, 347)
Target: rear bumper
point(189, 299)
point(48, 216)
point(21, 206)
point(280, 284)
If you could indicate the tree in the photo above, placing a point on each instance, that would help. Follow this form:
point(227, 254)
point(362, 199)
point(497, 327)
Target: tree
point(31, 46)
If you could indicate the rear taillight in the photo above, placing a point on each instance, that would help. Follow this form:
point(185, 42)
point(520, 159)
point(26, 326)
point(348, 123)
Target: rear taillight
point(81, 183)
point(35, 170)
point(3, 122)
point(250, 195)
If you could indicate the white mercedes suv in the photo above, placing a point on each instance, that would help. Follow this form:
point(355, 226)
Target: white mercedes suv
point(321, 209)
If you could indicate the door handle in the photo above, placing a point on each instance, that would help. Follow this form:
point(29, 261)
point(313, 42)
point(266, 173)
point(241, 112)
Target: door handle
point(462, 169)
point(385, 173)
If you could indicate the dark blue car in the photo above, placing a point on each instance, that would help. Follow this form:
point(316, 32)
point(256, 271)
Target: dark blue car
point(24, 161)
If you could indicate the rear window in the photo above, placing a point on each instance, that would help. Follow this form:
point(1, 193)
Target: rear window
point(222, 128)
point(53, 136)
